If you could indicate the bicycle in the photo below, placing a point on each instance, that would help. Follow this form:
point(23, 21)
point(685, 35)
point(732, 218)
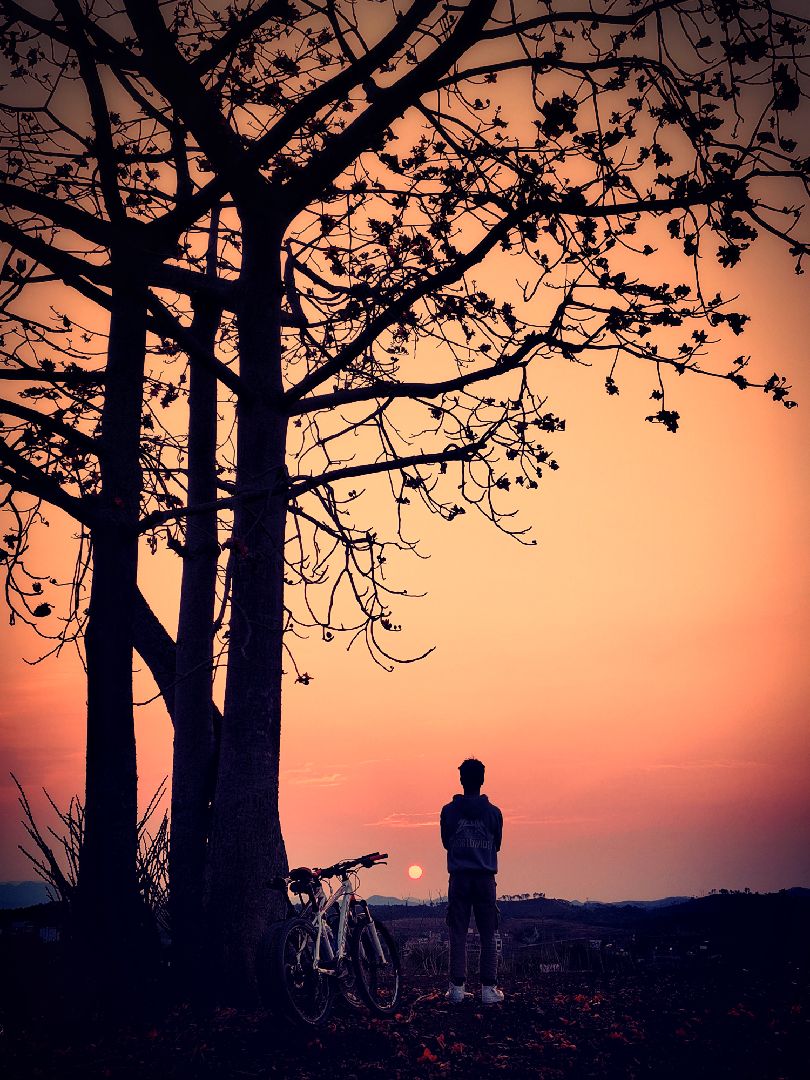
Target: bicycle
point(329, 944)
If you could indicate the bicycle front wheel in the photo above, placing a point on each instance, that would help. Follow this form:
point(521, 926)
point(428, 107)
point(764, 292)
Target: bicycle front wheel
point(302, 993)
point(377, 968)
point(346, 988)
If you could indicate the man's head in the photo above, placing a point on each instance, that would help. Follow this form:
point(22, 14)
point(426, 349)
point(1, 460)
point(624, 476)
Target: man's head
point(471, 771)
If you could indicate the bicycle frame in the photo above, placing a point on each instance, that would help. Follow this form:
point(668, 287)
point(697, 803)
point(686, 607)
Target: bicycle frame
point(315, 908)
point(329, 944)
point(342, 897)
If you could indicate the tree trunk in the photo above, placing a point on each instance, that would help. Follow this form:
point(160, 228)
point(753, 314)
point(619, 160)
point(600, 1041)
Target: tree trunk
point(246, 844)
point(193, 707)
point(158, 650)
point(109, 910)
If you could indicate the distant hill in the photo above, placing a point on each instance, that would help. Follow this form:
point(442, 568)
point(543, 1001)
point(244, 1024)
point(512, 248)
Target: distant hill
point(546, 906)
point(767, 928)
point(393, 901)
point(541, 908)
point(22, 894)
point(666, 901)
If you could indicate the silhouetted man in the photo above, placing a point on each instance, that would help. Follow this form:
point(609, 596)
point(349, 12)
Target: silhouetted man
point(471, 832)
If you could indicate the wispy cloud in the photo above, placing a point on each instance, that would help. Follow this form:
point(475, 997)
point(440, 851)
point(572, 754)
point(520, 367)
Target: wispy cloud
point(307, 768)
point(419, 819)
point(514, 816)
point(327, 780)
point(521, 819)
point(709, 763)
point(305, 774)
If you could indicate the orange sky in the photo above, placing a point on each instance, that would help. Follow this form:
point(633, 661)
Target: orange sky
point(636, 684)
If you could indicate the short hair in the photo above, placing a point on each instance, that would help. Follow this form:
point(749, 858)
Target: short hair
point(471, 771)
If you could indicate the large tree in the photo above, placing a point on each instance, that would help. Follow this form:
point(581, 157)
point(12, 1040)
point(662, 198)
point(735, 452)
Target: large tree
point(83, 175)
point(358, 173)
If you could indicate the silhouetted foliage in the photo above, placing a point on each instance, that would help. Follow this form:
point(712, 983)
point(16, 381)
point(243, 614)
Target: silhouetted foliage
point(57, 852)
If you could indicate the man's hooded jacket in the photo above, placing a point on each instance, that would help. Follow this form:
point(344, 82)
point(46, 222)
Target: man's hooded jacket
point(471, 832)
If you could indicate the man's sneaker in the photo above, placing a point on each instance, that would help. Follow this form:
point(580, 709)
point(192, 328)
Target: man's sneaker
point(455, 995)
point(491, 995)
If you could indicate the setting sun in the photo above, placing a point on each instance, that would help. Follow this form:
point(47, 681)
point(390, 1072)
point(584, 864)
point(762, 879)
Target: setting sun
point(415, 872)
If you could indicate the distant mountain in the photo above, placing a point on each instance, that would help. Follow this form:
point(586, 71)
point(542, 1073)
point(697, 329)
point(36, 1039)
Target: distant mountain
point(393, 901)
point(590, 905)
point(21, 894)
point(768, 925)
point(648, 905)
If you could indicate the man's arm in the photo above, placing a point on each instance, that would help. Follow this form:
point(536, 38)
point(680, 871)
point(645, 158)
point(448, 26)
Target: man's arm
point(444, 829)
point(498, 829)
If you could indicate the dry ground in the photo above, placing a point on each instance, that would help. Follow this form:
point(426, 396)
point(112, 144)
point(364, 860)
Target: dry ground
point(688, 1023)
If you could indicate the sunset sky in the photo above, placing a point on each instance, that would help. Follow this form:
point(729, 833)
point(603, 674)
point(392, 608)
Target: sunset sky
point(636, 683)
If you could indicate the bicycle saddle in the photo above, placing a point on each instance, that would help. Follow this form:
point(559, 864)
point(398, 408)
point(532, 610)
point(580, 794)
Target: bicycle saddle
point(301, 873)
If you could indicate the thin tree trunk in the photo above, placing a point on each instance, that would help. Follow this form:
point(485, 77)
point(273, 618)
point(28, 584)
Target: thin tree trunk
point(193, 706)
point(246, 844)
point(109, 908)
point(157, 648)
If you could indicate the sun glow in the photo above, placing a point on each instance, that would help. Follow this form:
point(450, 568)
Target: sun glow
point(415, 872)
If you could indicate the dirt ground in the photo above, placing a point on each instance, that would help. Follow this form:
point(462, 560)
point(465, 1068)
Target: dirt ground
point(702, 1022)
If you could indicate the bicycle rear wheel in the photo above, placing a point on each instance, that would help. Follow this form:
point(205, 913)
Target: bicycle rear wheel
point(378, 977)
point(302, 993)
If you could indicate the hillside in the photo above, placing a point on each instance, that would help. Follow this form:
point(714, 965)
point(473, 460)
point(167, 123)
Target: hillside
point(22, 894)
point(746, 924)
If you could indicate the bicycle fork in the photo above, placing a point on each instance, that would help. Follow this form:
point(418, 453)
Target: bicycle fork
point(333, 954)
point(375, 938)
point(323, 944)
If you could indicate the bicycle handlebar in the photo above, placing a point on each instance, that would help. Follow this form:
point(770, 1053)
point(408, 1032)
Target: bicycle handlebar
point(339, 868)
point(303, 873)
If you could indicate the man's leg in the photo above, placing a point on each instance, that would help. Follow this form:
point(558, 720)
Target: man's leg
point(486, 919)
point(458, 923)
